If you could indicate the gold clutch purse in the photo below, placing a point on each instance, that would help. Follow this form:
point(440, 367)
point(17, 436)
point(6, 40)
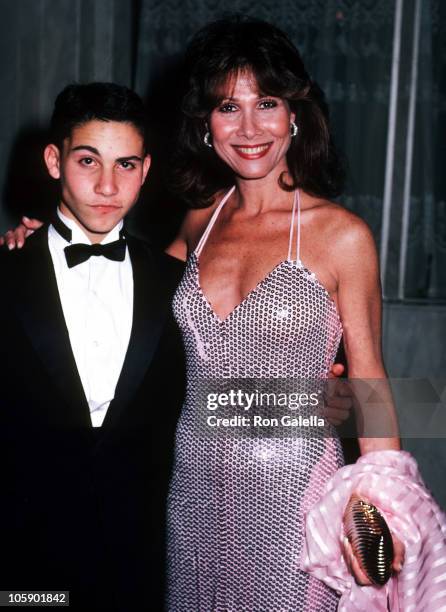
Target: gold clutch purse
point(370, 539)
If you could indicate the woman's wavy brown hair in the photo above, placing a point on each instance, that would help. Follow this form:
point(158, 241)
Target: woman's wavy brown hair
point(218, 53)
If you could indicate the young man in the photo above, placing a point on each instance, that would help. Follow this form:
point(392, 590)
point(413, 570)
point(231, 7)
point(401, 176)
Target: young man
point(87, 408)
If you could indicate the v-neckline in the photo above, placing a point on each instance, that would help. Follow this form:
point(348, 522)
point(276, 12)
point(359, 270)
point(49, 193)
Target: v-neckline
point(298, 264)
point(244, 299)
point(196, 253)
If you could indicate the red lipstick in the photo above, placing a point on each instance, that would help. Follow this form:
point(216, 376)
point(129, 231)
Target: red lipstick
point(252, 151)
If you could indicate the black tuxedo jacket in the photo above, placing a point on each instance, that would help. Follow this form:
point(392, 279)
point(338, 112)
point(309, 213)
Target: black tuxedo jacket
point(83, 508)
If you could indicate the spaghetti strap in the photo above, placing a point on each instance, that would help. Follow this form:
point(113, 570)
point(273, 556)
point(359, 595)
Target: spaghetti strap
point(296, 204)
point(297, 196)
point(210, 225)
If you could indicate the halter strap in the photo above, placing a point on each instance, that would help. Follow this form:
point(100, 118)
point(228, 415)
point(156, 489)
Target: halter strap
point(296, 207)
point(210, 225)
point(296, 204)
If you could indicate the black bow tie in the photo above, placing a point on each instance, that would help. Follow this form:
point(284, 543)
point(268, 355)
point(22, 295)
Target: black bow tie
point(78, 253)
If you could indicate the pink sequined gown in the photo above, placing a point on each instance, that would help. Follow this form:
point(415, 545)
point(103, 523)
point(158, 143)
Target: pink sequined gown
point(236, 504)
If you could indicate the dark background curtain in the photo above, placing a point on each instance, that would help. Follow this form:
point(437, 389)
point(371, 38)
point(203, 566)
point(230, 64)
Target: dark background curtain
point(381, 64)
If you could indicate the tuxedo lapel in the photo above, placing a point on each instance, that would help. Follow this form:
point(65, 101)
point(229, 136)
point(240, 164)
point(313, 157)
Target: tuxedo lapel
point(40, 310)
point(150, 308)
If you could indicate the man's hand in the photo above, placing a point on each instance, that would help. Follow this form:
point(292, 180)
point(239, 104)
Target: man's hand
point(16, 238)
point(339, 398)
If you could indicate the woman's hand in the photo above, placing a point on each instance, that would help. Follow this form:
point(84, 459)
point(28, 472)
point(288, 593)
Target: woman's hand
point(16, 238)
point(354, 565)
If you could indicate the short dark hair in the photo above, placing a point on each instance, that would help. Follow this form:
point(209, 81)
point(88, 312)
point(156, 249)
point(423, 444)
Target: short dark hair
point(79, 103)
point(222, 50)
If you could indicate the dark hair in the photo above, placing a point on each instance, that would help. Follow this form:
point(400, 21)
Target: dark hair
point(222, 50)
point(77, 104)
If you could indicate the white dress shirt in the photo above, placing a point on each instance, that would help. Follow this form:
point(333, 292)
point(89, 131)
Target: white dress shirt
point(97, 302)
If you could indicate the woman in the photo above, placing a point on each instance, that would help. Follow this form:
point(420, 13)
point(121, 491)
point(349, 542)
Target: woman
point(273, 268)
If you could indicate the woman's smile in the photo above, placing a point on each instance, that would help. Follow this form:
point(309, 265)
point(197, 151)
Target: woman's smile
point(252, 151)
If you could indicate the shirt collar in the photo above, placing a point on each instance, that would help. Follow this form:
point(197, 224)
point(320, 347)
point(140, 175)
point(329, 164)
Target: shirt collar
point(78, 235)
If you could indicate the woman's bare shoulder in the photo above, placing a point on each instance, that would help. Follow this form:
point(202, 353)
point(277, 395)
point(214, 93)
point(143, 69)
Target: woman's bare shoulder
point(196, 218)
point(192, 227)
point(352, 246)
point(343, 227)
